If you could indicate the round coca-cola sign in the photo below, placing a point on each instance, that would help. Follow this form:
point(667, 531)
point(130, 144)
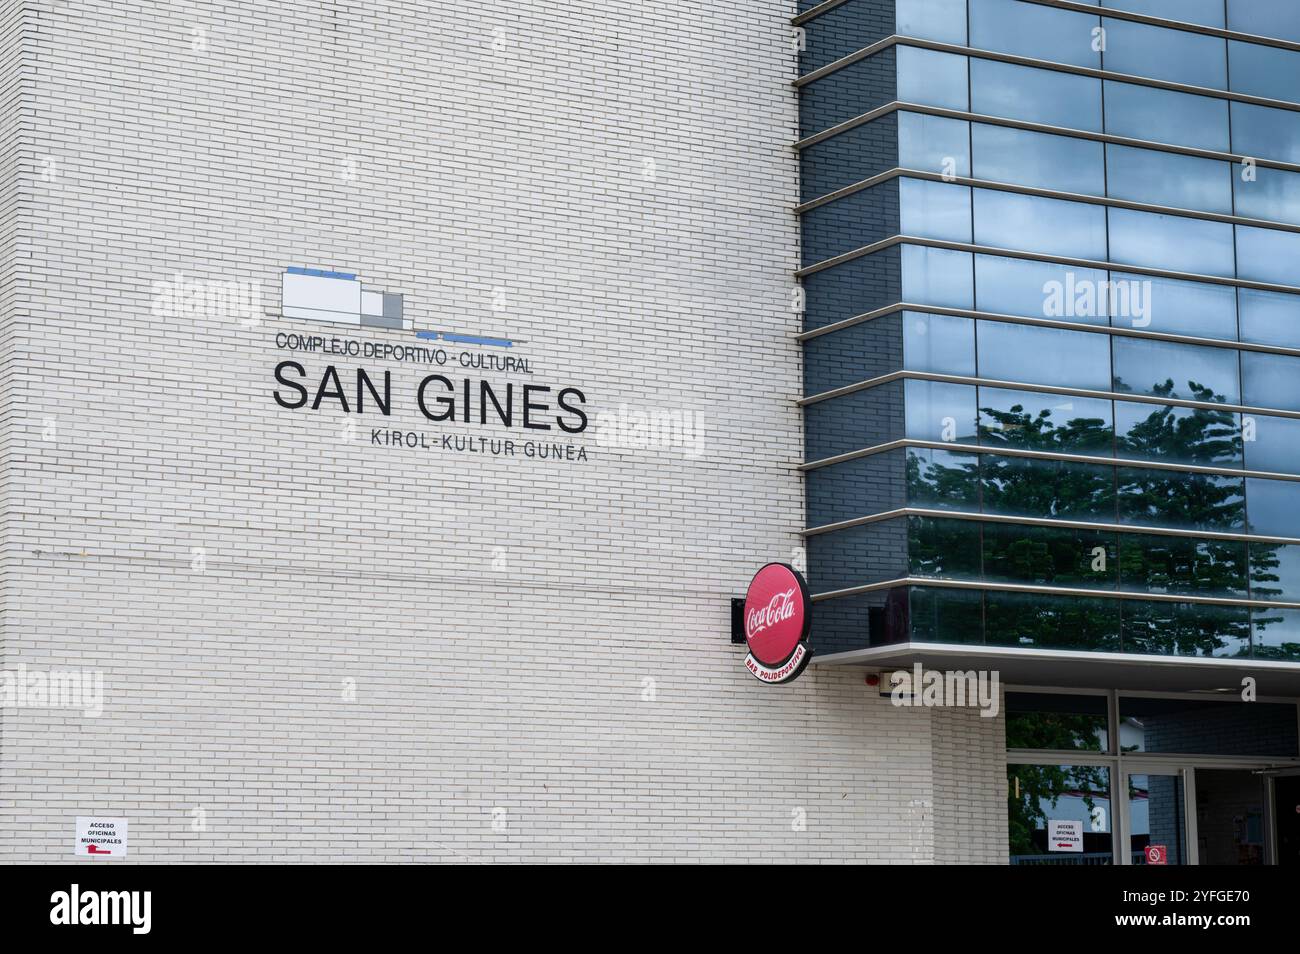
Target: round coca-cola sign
point(778, 615)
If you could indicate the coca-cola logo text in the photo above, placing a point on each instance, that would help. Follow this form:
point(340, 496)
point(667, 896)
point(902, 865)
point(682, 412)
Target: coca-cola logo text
point(781, 608)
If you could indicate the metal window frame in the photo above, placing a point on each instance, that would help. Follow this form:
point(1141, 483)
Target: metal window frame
point(1015, 59)
point(1063, 324)
point(1082, 198)
point(903, 375)
point(1183, 26)
point(1121, 765)
point(966, 115)
point(979, 249)
point(975, 516)
point(1044, 590)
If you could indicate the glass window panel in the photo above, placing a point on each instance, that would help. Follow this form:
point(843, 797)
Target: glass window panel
point(1027, 29)
point(1036, 620)
point(1026, 487)
point(1140, 49)
point(930, 143)
point(1171, 242)
point(1156, 563)
point(943, 548)
point(1269, 317)
point(1276, 444)
point(1056, 721)
point(1185, 629)
point(940, 343)
point(1163, 115)
point(931, 78)
point(1177, 435)
point(1267, 255)
point(1265, 18)
point(939, 615)
point(1273, 507)
point(1210, 726)
point(1039, 795)
point(937, 276)
point(1265, 132)
point(1166, 369)
point(1276, 634)
point(1063, 163)
point(1166, 178)
point(1055, 356)
point(937, 411)
point(1204, 12)
point(943, 20)
point(1175, 307)
point(941, 479)
point(1036, 224)
point(1264, 70)
point(1036, 96)
point(1030, 420)
point(1275, 571)
point(1269, 380)
point(1050, 556)
point(1177, 501)
point(1017, 286)
point(1273, 196)
point(938, 210)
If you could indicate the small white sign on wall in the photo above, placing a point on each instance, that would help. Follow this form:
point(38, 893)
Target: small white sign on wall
point(1065, 836)
point(100, 837)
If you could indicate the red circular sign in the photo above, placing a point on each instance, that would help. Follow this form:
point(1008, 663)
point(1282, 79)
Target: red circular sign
point(776, 613)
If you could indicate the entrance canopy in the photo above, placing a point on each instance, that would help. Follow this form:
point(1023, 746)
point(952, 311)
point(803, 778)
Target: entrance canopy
point(1083, 670)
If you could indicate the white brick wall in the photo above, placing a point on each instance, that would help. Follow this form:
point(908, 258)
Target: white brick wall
point(498, 617)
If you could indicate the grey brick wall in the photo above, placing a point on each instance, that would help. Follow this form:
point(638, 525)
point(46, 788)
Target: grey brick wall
point(314, 648)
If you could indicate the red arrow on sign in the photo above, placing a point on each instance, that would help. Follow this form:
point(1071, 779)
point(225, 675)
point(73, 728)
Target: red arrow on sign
point(92, 850)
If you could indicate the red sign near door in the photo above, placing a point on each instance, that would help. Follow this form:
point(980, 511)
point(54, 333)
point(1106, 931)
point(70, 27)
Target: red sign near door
point(1157, 855)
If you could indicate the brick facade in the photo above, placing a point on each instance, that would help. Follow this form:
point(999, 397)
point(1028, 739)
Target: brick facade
point(315, 647)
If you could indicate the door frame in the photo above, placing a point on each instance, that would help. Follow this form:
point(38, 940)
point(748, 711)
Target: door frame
point(1143, 766)
point(1270, 810)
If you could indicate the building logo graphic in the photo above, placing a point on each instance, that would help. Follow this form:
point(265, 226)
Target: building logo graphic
point(778, 616)
point(313, 294)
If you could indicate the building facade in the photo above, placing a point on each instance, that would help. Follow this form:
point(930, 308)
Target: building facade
point(1051, 341)
point(396, 397)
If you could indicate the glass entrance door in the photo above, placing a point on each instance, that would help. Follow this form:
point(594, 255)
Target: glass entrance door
point(1230, 817)
point(1157, 817)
